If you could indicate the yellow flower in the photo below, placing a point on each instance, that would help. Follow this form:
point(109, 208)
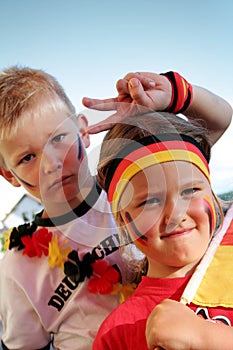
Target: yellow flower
point(6, 236)
point(57, 254)
point(125, 291)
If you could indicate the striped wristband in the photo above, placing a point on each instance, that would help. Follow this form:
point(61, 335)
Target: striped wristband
point(182, 93)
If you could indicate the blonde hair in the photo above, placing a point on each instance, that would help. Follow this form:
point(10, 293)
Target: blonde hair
point(133, 129)
point(26, 91)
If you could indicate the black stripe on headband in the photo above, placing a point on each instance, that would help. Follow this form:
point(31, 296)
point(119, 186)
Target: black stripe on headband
point(145, 141)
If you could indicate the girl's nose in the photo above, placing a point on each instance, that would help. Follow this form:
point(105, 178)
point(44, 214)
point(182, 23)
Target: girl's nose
point(175, 213)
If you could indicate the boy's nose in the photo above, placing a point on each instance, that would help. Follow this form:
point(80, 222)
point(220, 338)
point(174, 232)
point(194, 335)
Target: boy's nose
point(50, 163)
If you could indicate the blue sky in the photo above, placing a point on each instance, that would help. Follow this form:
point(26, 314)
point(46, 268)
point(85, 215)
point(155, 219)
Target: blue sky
point(88, 45)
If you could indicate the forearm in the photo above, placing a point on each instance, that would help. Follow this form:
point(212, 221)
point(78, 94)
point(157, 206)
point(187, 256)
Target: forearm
point(212, 111)
point(213, 336)
point(187, 331)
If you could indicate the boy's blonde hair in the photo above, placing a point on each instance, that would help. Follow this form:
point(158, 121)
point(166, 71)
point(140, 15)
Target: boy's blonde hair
point(25, 91)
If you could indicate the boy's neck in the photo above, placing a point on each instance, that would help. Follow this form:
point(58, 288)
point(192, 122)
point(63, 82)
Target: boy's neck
point(58, 209)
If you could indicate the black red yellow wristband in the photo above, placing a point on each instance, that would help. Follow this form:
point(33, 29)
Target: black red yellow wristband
point(182, 93)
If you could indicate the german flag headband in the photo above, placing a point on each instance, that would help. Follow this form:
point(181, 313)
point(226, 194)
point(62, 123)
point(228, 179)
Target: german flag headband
point(148, 151)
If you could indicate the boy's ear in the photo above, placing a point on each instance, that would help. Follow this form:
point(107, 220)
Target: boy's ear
point(9, 177)
point(83, 125)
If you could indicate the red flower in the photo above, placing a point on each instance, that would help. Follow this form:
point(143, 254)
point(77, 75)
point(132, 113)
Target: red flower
point(103, 279)
point(38, 243)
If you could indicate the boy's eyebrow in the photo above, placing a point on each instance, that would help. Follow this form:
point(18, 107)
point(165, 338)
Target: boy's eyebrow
point(16, 157)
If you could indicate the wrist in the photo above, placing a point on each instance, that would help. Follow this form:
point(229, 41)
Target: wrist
point(182, 93)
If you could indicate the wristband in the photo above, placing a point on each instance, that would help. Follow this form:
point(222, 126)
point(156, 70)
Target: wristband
point(182, 93)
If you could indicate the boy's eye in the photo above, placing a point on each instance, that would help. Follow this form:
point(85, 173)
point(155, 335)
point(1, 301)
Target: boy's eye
point(58, 138)
point(27, 158)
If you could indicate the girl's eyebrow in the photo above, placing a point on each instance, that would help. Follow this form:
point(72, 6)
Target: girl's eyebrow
point(192, 182)
point(146, 195)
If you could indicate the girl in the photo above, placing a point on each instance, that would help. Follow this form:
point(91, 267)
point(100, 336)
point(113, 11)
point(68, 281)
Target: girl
point(155, 171)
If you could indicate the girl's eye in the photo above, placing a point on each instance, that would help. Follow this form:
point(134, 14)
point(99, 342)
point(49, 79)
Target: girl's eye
point(58, 138)
point(27, 158)
point(150, 201)
point(190, 191)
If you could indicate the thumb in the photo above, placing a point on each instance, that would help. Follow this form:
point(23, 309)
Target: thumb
point(137, 93)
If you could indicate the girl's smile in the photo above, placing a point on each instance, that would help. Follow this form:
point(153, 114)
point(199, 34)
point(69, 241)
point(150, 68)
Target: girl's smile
point(166, 215)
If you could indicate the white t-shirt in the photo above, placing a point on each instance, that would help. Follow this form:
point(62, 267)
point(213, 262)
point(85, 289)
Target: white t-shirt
point(37, 300)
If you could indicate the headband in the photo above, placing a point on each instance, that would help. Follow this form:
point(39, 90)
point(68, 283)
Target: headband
point(149, 151)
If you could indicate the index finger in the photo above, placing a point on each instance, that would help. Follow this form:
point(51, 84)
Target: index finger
point(105, 124)
point(108, 104)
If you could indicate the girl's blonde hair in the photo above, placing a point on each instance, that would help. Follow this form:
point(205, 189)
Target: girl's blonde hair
point(135, 128)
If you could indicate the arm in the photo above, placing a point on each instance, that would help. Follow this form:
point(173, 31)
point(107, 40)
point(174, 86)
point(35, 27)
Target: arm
point(173, 326)
point(212, 111)
point(150, 91)
point(22, 328)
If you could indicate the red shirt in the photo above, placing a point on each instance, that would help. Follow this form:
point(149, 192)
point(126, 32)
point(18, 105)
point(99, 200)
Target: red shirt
point(125, 327)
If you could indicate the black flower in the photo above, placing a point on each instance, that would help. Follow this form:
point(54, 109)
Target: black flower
point(76, 269)
point(18, 233)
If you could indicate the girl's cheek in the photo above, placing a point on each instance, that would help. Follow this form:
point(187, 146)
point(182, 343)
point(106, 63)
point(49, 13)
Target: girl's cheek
point(202, 208)
point(209, 208)
point(149, 221)
point(137, 236)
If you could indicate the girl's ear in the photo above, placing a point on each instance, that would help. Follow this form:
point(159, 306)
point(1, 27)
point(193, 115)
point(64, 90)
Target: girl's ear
point(83, 125)
point(9, 177)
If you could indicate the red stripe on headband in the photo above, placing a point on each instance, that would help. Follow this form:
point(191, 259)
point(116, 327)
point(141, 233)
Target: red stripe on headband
point(150, 149)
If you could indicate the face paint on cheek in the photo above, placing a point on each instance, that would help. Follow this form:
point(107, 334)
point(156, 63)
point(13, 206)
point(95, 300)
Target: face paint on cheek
point(209, 209)
point(80, 149)
point(32, 187)
point(134, 230)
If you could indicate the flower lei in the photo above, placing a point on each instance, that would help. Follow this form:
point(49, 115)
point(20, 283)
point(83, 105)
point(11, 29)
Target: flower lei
point(104, 279)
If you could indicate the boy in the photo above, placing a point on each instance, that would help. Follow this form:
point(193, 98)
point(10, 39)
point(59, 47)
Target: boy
point(46, 280)
point(42, 149)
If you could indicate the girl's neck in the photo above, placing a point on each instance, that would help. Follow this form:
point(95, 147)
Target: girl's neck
point(161, 271)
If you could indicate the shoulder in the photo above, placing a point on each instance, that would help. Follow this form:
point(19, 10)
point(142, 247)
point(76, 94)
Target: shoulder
point(124, 327)
point(129, 312)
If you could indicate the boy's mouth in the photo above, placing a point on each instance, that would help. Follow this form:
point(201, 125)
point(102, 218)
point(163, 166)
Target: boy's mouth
point(62, 180)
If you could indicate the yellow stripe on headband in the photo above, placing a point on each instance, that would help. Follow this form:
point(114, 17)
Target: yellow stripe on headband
point(152, 159)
